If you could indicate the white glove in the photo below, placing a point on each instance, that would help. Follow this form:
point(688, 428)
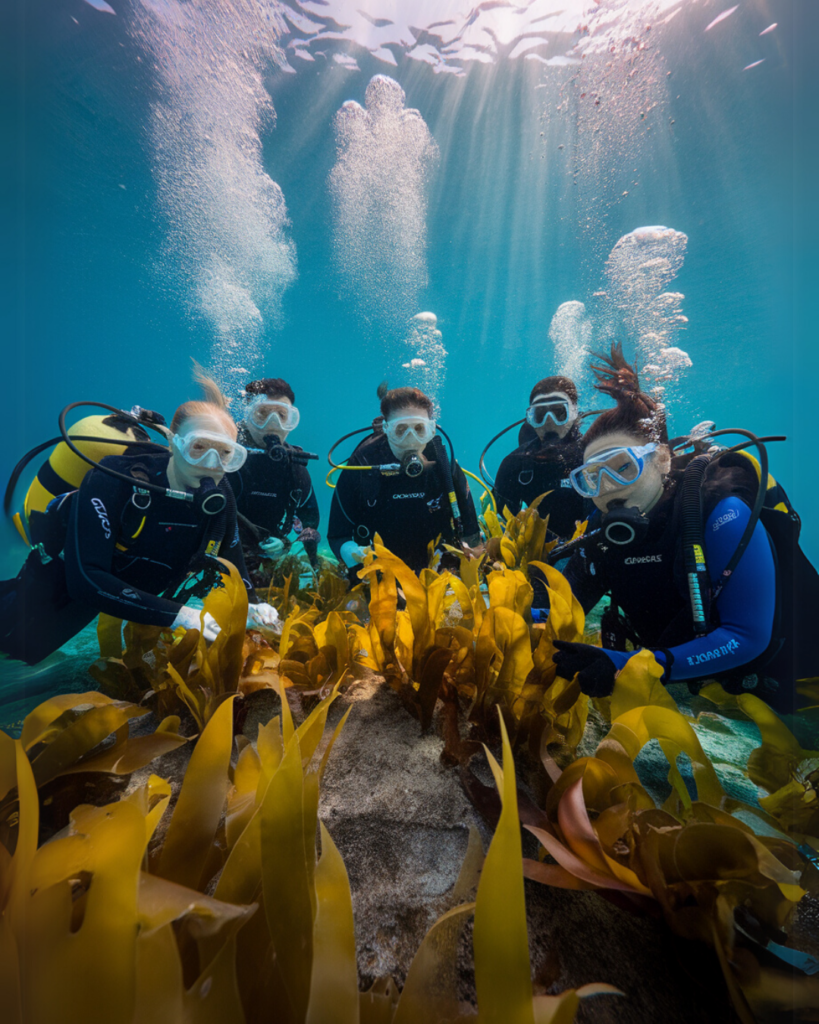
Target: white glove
point(352, 553)
point(272, 547)
point(261, 615)
point(191, 618)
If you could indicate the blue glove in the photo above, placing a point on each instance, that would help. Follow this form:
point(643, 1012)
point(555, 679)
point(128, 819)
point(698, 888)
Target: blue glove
point(351, 553)
point(272, 547)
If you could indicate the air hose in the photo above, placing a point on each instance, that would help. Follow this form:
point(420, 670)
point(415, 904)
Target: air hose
point(21, 465)
point(445, 467)
point(482, 465)
point(756, 512)
point(143, 486)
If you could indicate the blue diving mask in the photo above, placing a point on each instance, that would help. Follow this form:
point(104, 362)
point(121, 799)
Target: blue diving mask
point(623, 466)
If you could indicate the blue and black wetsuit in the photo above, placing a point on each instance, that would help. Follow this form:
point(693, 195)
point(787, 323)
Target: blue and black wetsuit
point(537, 467)
point(115, 558)
point(754, 642)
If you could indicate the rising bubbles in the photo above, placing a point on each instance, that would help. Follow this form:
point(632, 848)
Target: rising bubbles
point(227, 244)
point(571, 332)
point(379, 190)
point(640, 267)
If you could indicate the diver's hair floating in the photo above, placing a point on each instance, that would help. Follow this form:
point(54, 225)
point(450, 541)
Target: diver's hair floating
point(215, 404)
point(636, 412)
point(211, 389)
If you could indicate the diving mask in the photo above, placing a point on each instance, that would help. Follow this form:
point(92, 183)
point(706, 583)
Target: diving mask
point(409, 433)
point(262, 411)
point(554, 407)
point(209, 450)
point(623, 466)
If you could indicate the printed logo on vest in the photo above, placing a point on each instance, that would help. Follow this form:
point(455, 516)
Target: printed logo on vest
point(416, 494)
point(727, 518)
point(102, 512)
point(643, 559)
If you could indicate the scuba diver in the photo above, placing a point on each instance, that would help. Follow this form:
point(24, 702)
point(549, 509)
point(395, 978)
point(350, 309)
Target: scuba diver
point(136, 539)
point(550, 447)
point(699, 554)
point(401, 484)
point(274, 493)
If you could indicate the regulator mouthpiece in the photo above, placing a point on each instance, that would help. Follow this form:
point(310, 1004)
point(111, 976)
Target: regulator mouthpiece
point(276, 451)
point(211, 500)
point(624, 526)
point(412, 465)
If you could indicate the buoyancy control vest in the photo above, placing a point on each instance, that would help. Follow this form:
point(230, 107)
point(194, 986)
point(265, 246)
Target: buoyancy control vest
point(656, 615)
point(48, 529)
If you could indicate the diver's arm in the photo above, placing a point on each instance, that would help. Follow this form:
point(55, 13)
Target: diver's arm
point(89, 555)
point(469, 517)
point(746, 606)
point(586, 580)
point(341, 527)
point(504, 488)
point(233, 549)
point(308, 508)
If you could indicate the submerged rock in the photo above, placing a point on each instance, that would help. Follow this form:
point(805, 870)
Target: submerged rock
point(401, 821)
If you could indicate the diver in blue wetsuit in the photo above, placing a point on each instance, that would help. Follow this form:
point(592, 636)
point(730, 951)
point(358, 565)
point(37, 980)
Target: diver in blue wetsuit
point(663, 544)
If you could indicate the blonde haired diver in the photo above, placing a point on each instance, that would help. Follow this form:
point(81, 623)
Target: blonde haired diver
point(132, 538)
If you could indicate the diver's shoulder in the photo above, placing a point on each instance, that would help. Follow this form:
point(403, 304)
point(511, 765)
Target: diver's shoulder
point(373, 449)
point(136, 459)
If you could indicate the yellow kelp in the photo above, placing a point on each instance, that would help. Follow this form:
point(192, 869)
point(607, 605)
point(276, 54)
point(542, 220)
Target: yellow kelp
point(92, 900)
point(697, 861)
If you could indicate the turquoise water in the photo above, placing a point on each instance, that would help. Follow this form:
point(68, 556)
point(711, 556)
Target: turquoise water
point(142, 225)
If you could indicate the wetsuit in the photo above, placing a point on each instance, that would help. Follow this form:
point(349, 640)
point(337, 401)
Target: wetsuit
point(407, 512)
point(115, 559)
point(536, 467)
point(272, 495)
point(746, 647)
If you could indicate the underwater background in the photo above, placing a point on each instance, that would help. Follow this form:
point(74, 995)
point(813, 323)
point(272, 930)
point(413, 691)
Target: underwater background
point(176, 182)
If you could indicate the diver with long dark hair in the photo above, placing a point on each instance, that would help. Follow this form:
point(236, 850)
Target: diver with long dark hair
point(401, 483)
point(550, 446)
point(135, 539)
point(274, 492)
point(699, 555)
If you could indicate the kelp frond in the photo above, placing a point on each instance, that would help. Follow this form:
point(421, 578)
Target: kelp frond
point(705, 868)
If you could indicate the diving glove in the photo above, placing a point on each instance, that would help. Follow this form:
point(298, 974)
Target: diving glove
point(352, 554)
point(191, 618)
point(594, 669)
point(262, 616)
point(272, 547)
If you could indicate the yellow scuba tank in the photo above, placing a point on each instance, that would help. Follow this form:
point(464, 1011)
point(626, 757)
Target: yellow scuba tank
point(64, 471)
